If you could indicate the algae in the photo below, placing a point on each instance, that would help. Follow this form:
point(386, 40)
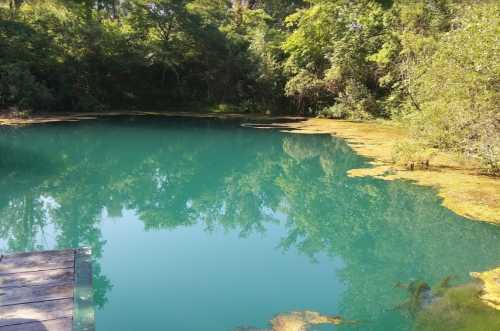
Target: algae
point(452, 308)
point(460, 183)
point(459, 308)
point(490, 293)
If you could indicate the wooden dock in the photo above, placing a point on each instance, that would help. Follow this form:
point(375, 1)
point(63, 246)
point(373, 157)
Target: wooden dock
point(46, 291)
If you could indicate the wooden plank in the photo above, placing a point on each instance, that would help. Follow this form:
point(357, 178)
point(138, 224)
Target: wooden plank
point(84, 315)
point(33, 278)
point(39, 311)
point(40, 254)
point(26, 262)
point(42, 291)
point(62, 324)
point(18, 295)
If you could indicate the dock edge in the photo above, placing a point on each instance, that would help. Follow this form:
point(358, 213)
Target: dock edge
point(83, 309)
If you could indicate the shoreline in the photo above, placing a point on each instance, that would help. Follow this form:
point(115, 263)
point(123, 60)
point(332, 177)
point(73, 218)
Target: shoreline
point(7, 120)
point(463, 189)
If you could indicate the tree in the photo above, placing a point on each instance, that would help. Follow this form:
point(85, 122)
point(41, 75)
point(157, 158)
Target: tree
point(458, 87)
point(327, 56)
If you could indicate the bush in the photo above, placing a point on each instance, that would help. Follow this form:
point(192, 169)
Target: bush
point(337, 111)
point(19, 88)
point(488, 150)
point(412, 155)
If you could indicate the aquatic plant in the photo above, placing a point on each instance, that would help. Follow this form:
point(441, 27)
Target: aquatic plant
point(458, 309)
point(448, 307)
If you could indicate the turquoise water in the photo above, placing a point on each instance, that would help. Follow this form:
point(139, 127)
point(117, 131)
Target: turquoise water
point(204, 225)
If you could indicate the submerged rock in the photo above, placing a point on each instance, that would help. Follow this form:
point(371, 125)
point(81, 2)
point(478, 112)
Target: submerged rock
point(298, 321)
point(421, 295)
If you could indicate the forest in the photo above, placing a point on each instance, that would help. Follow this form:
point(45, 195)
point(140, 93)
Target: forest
point(432, 66)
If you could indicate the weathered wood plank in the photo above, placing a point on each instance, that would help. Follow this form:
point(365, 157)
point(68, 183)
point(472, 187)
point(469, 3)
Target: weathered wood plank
point(84, 315)
point(62, 324)
point(39, 311)
point(42, 291)
point(34, 278)
point(18, 295)
point(25, 262)
point(40, 254)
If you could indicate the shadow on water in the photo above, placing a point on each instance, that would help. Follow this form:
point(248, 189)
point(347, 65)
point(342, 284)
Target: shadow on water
point(178, 173)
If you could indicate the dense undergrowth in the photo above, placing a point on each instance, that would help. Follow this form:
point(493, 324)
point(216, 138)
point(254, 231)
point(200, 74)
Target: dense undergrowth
point(433, 65)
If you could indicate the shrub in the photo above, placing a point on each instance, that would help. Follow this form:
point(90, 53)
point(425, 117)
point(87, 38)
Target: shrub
point(412, 155)
point(337, 111)
point(19, 88)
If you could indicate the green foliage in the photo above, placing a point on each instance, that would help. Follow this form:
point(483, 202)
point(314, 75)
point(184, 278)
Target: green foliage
point(19, 88)
point(412, 155)
point(431, 64)
point(457, 89)
point(328, 54)
point(142, 54)
point(438, 70)
point(337, 111)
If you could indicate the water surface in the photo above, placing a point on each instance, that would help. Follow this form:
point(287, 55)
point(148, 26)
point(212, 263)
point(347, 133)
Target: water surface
point(204, 225)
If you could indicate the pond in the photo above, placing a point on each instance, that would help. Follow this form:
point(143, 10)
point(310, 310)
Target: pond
point(206, 225)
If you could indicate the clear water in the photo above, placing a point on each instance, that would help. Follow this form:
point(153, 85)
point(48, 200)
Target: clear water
point(204, 225)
